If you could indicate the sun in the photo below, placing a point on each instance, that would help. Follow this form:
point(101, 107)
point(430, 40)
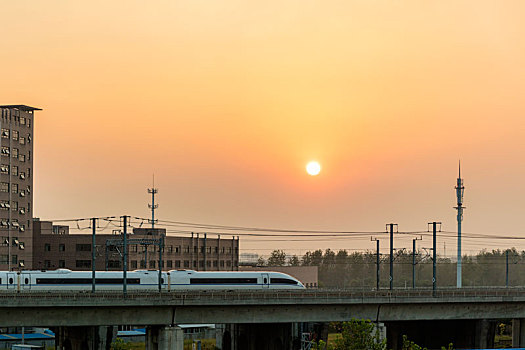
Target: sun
point(313, 168)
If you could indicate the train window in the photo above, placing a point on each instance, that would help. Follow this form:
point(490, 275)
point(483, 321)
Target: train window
point(265, 280)
point(282, 281)
point(223, 280)
point(26, 280)
point(162, 280)
point(86, 281)
point(11, 281)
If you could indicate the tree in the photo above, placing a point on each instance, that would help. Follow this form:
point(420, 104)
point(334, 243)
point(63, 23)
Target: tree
point(261, 261)
point(277, 258)
point(293, 261)
point(359, 335)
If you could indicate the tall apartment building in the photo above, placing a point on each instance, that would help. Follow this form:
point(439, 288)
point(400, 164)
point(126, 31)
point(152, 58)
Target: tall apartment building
point(16, 186)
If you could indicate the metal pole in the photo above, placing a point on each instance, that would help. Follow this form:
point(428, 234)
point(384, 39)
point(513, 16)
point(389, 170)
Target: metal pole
point(414, 264)
point(93, 246)
point(507, 268)
point(460, 189)
point(161, 246)
point(434, 256)
point(391, 256)
point(377, 265)
point(125, 257)
point(146, 247)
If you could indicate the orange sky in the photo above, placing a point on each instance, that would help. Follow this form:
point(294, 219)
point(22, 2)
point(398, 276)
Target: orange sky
point(226, 101)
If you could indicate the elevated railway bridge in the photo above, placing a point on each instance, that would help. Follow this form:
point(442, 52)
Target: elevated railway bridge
point(465, 317)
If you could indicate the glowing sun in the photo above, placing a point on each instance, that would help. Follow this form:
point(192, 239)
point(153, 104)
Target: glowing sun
point(313, 168)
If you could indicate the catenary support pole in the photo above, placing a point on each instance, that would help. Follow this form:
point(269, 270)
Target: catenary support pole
point(161, 247)
point(125, 257)
point(507, 268)
point(377, 265)
point(391, 256)
point(93, 249)
point(434, 256)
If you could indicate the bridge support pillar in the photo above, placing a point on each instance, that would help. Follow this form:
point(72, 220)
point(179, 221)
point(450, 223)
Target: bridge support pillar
point(82, 338)
point(518, 333)
point(164, 338)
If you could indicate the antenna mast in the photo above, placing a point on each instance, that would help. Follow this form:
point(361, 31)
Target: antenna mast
point(153, 206)
point(460, 189)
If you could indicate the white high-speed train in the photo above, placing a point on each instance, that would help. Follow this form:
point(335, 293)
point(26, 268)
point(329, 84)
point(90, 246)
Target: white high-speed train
point(67, 280)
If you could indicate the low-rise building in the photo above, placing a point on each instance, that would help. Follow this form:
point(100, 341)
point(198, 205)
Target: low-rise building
point(55, 247)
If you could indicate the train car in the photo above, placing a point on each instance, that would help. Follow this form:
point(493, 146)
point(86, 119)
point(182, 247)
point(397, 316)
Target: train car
point(202, 280)
point(145, 280)
point(65, 279)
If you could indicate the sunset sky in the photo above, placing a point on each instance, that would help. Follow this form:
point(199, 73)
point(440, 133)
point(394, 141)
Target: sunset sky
point(227, 101)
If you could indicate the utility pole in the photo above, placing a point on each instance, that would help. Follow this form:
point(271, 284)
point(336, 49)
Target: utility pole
point(125, 257)
point(414, 261)
point(391, 226)
point(377, 261)
point(434, 255)
point(93, 247)
point(153, 206)
point(460, 189)
point(507, 268)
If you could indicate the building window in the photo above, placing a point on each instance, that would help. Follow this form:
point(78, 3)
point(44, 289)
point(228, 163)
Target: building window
point(14, 259)
point(113, 264)
point(177, 249)
point(187, 249)
point(61, 247)
point(177, 263)
point(208, 250)
point(5, 133)
point(4, 169)
point(228, 263)
point(208, 263)
point(142, 264)
point(195, 264)
point(222, 263)
point(22, 158)
point(22, 175)
point(22, 121)
point(14, 170)
point(83, 247)
point(169, 264)
point(133, 264)
point(152, 264)
point(195, 249)
point(22, 140)
point(201, 263)
point(28, 156)
point(186, 263)
point(5, 151)
point(170, 249)
point(15, 152)
point(14, 188)
point(134, 248)
point(15, 135)
point(4, 205)
point(4, 259)
point(215, 263)
point(61, 263)
point(202, 250)
point(4, 187)
point(14, 205)
point(47, 264)
point(47, 247)
point(83, 263)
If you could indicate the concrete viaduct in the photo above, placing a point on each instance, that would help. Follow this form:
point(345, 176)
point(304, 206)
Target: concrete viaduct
point(84, 320)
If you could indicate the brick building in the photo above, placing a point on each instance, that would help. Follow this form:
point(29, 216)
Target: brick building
point(54, 247)
point(16, 186)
